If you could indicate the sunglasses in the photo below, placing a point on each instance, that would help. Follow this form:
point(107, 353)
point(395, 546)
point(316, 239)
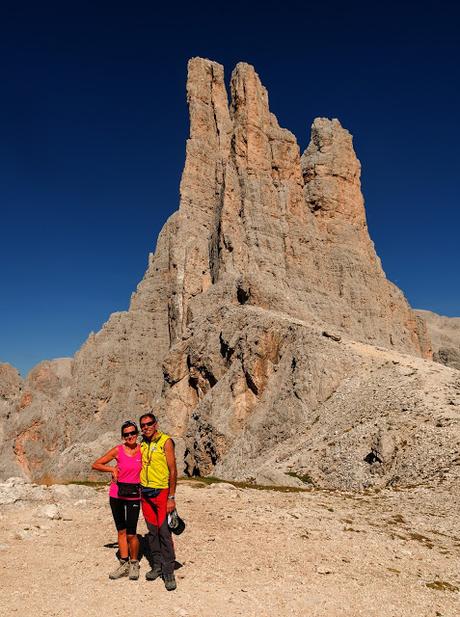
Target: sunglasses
point(130, 434)
point(144, 424)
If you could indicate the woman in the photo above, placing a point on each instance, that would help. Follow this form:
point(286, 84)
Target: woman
point(124, 497)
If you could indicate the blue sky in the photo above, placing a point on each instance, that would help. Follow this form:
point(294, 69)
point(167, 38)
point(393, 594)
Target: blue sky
point(93, 122)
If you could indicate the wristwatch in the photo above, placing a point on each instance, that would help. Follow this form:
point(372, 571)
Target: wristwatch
point(171, 497)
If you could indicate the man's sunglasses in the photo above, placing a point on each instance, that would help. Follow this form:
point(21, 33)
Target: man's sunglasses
point(130, 434)
point(144, 424)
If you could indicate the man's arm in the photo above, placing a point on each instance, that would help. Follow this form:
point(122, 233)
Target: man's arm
point(171, 462)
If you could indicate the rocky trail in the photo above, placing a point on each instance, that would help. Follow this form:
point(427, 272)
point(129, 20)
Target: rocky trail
point(249, 552)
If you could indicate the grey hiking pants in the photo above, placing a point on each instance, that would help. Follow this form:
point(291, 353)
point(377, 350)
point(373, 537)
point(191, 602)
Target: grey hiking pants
point(161, 547)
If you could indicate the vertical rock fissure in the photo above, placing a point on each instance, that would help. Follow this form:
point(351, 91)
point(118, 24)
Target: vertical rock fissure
point(213, 104)
point(215, 240)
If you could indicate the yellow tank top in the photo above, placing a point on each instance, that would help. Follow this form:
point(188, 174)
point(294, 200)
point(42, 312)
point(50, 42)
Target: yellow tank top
point(155, 471)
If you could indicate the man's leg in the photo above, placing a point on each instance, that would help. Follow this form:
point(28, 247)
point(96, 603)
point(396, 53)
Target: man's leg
point(150, 512)
point(168, 556)
point(154, 545)
point(161, 544)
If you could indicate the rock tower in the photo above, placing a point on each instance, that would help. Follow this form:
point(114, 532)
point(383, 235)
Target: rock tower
point(224, 335)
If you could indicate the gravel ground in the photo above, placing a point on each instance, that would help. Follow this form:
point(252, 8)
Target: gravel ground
point(245, 552)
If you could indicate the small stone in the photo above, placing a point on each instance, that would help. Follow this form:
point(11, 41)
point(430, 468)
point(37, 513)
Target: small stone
point(50, 511)
point(323, 570)
point(333, 337)
point(22, 534)
point(14, 481)
point(223, 485)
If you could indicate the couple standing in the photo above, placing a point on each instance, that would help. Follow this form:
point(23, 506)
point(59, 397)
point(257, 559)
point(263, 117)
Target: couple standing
point(152, 465)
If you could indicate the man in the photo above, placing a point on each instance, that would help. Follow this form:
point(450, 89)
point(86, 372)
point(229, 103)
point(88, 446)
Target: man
point(158, 488)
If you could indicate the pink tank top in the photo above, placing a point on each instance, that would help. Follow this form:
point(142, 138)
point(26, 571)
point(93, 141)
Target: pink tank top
point(129, 469)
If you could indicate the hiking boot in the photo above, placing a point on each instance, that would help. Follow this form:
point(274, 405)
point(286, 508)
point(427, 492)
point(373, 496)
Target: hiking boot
point(153, 574)
point(170, 582)
point(133, 570)
point(122, 570)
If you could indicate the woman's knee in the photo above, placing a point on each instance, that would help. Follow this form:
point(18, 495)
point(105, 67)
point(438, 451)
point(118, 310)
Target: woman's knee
point(122, 532)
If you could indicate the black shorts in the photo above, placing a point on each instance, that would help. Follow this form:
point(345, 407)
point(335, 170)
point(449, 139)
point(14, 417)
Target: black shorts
point(125, 514)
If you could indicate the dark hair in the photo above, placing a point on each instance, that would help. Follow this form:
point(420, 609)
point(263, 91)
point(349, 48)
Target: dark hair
point(147, 415)
point(128, 423)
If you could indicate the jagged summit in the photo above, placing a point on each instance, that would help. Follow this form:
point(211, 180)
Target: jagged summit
point(223, 337)
point(291, 230)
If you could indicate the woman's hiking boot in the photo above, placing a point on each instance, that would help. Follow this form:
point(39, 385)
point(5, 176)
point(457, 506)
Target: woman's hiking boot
point(170, 582)
point(133, 570)
point(122, 570)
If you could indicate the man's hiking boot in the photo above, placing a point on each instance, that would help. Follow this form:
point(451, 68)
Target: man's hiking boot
point(122, 570)
point(153, 574)
point(133, 570)
point(170, 582)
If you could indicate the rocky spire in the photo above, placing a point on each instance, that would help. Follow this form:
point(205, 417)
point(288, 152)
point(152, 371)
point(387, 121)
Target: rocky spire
point(332, 173)
point(268, 228)
point(265, 246)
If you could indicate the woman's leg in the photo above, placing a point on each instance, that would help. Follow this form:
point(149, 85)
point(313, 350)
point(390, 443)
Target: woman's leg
point(119, 517)
point(133, 544)
point(132, 517)
point(123, 544)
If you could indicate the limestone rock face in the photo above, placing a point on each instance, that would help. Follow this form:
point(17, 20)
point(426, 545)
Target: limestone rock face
point(275, 230)
point(10, 382)
point(224, 335)
point(275, 401)
point(445, 335)
point(10, 392)
point(32, 417)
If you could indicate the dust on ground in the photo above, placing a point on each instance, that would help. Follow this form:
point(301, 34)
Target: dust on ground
point(246, 552)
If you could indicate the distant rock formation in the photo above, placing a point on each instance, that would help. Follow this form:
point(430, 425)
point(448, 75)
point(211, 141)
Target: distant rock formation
point(445, 336)
point(224, 335)
point(32, 416)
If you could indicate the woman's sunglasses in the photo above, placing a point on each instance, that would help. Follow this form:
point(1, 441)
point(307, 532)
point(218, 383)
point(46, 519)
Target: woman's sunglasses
point(130, 434)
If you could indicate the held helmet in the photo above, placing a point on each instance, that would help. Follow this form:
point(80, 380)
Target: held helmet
point(175, 523)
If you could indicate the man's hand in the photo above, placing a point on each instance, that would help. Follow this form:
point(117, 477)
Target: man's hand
point(171, 505)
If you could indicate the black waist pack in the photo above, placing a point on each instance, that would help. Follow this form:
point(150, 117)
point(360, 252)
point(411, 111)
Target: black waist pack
point(149, 493)
point(126, 489)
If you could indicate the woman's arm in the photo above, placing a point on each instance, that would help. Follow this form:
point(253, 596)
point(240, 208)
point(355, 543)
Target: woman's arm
point(101, 463)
